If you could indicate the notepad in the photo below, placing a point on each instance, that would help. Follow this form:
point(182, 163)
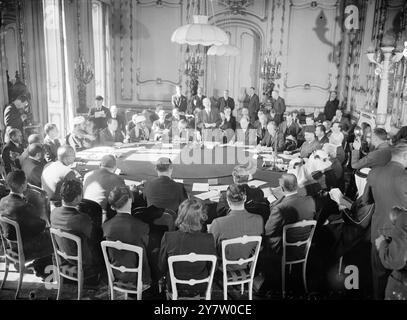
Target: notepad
point(256, 183)
point(200, 187)
point(219, 188)
point(131, 183)
point(179, 180)
point(118, 171)
point(207, 195)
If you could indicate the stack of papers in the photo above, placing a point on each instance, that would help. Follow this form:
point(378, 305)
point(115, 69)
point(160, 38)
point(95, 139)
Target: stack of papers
point(219, 188)
point(269, 195)
point(203, 187)
point(207, 195)
point(179, 180)
point(256, 183)
point(131, 183)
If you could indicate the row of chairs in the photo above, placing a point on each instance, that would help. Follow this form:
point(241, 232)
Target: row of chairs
point(294, 236)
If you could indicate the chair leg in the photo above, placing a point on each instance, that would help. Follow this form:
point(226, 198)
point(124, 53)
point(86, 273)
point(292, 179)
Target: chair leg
point(304, 275)
point(340, 266)
point(20, 280)
point(283, 281)
point(225, 291)
point(242, 289)
point(5, 274)
point(111, 293)
point(251, 290)
point(60, 283)
point(126, 296)
point(80, 285)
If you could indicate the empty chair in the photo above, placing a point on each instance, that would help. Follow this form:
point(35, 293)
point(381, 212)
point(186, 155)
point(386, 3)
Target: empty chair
point(65, 266)
point(13, 252)
point(115, 283)
point(191, 258)
point(297, 239)
point(240, 276)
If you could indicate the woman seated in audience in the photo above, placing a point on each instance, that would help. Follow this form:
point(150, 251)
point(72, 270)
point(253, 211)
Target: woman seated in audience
point(139, 131)
point(79, 138)
point(188, 239)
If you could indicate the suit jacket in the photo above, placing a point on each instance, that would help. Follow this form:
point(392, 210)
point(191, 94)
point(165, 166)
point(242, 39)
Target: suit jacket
point(222, 103)
point(98, 183)
point(100, 119)
point(330, 109)
point(107, 139)
point(288, 210)
point(53, 174)
point(248, 137)
point(71, 220)
point(179, 243)
point(231, 124)
point(387, 187)
point(12, 118)
point(212, 117)
point(293, 129)
point(10, 155)
point(279, 106)
point(33, 171)
point(130, 230)
point(320, 118)
point(51, 149)
point(308, 148)
point(236, 224)
point(377, 158)
point(323, 140)
point(179, 102)
point(163, 192)
point(253, 106)
point(277, 142)
point(196, 102)
point(121, 121)
point(261, 131)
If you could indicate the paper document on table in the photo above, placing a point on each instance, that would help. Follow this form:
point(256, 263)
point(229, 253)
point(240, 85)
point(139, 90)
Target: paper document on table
point(288, 156)
point(200, 187)
point(256, 183)
point(179, 180)
point(269, 195)
point(207, 195)
point(130, 183)
point(219, 188)
point(93, 163)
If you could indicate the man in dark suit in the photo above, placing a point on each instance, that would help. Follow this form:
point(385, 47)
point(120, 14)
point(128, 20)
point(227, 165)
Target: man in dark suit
point(12, 150)
point(34, 164)
point(273, 138)
point(197, 101)
point(178, 100)
point(320, 135)
point(246, 134)
point(13, 113)
point(51, 142)
point(261, 125)
point(331, 106)
point(377, 158)
point(68, 218)
point(387, 187)
point(254, 104)
point(98, 183)
point(226, 101)
point(240, 177)
point(278, 104)
point(342, 120)
point(209, 118)
point(163, 192)
point(111, 135)
point(100, 113)
point(115, 114)
point(36, 238)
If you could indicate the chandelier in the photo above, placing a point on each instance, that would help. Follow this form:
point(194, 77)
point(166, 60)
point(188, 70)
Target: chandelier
point(270, 72)
point(200, 32)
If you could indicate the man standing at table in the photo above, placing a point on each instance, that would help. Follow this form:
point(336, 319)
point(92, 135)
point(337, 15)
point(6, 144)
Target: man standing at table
point(226, 101)
point(209, 119)
point(331, 106)
point(163, 192)
point(178, 100)
point(197, 101)
point(14, 115)
point(254, 105)
point(100, 113)
point(278, 106)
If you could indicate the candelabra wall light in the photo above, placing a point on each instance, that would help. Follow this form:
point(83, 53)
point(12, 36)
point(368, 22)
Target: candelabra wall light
point(194, 68)
point(84, 74)
point(270, 72)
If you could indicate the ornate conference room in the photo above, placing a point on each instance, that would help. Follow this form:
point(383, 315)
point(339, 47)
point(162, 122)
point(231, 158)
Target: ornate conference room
point(203, 149)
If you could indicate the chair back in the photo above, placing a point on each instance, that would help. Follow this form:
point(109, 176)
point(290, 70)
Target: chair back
point(108, 248)
point(192, 257)
point(13, 249)
point(63, 258)
point(297, 238)
point(42, 199)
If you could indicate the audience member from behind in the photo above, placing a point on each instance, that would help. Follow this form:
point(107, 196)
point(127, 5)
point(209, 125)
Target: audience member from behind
point(51, 142)
point(67, 218)
point(236, 224)
point(36, 239)
point(55, 173)
point(163, 192)
point(34, 164)
point(32, 138)
point(12, 150)
point(98, 183)
point(188, 239)
point(130, 230)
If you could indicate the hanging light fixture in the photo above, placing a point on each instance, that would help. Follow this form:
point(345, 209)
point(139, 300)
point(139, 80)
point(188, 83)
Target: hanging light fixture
point(200, 32)
point(225, 50)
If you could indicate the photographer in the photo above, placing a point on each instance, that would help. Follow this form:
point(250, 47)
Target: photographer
point(380, 156)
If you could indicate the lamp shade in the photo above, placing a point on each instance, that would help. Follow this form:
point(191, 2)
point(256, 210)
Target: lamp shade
point(225, 50)
point(200, 32)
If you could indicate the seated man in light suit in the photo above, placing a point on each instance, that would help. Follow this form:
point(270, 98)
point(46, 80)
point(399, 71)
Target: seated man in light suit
point(246, 134)
point(208, 120)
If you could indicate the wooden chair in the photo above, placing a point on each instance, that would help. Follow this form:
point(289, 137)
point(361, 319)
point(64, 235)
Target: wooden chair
point(192, 257)
point(117, 285)
point(65, 269)
point(13, 252)
point(242, 276)
point(297, 235)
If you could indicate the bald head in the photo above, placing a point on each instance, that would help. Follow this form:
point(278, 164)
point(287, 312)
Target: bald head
point(66, 154)
point(288, 182)
point(108, 162)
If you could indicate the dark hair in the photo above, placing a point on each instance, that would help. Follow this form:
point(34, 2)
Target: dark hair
point(49, 127)
point(108, 161)
point(13, 132)
point(401, 134)
point(321, 127)
point(110, 120)
point(99, 98)
point(35, 148)
point(289, 182)
point(15, 180)
point(236, 193)
point(22, 98)
point(119, 196)
point(34, 138)
point(380, 133)
point(191, 215)
point(70, 190)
